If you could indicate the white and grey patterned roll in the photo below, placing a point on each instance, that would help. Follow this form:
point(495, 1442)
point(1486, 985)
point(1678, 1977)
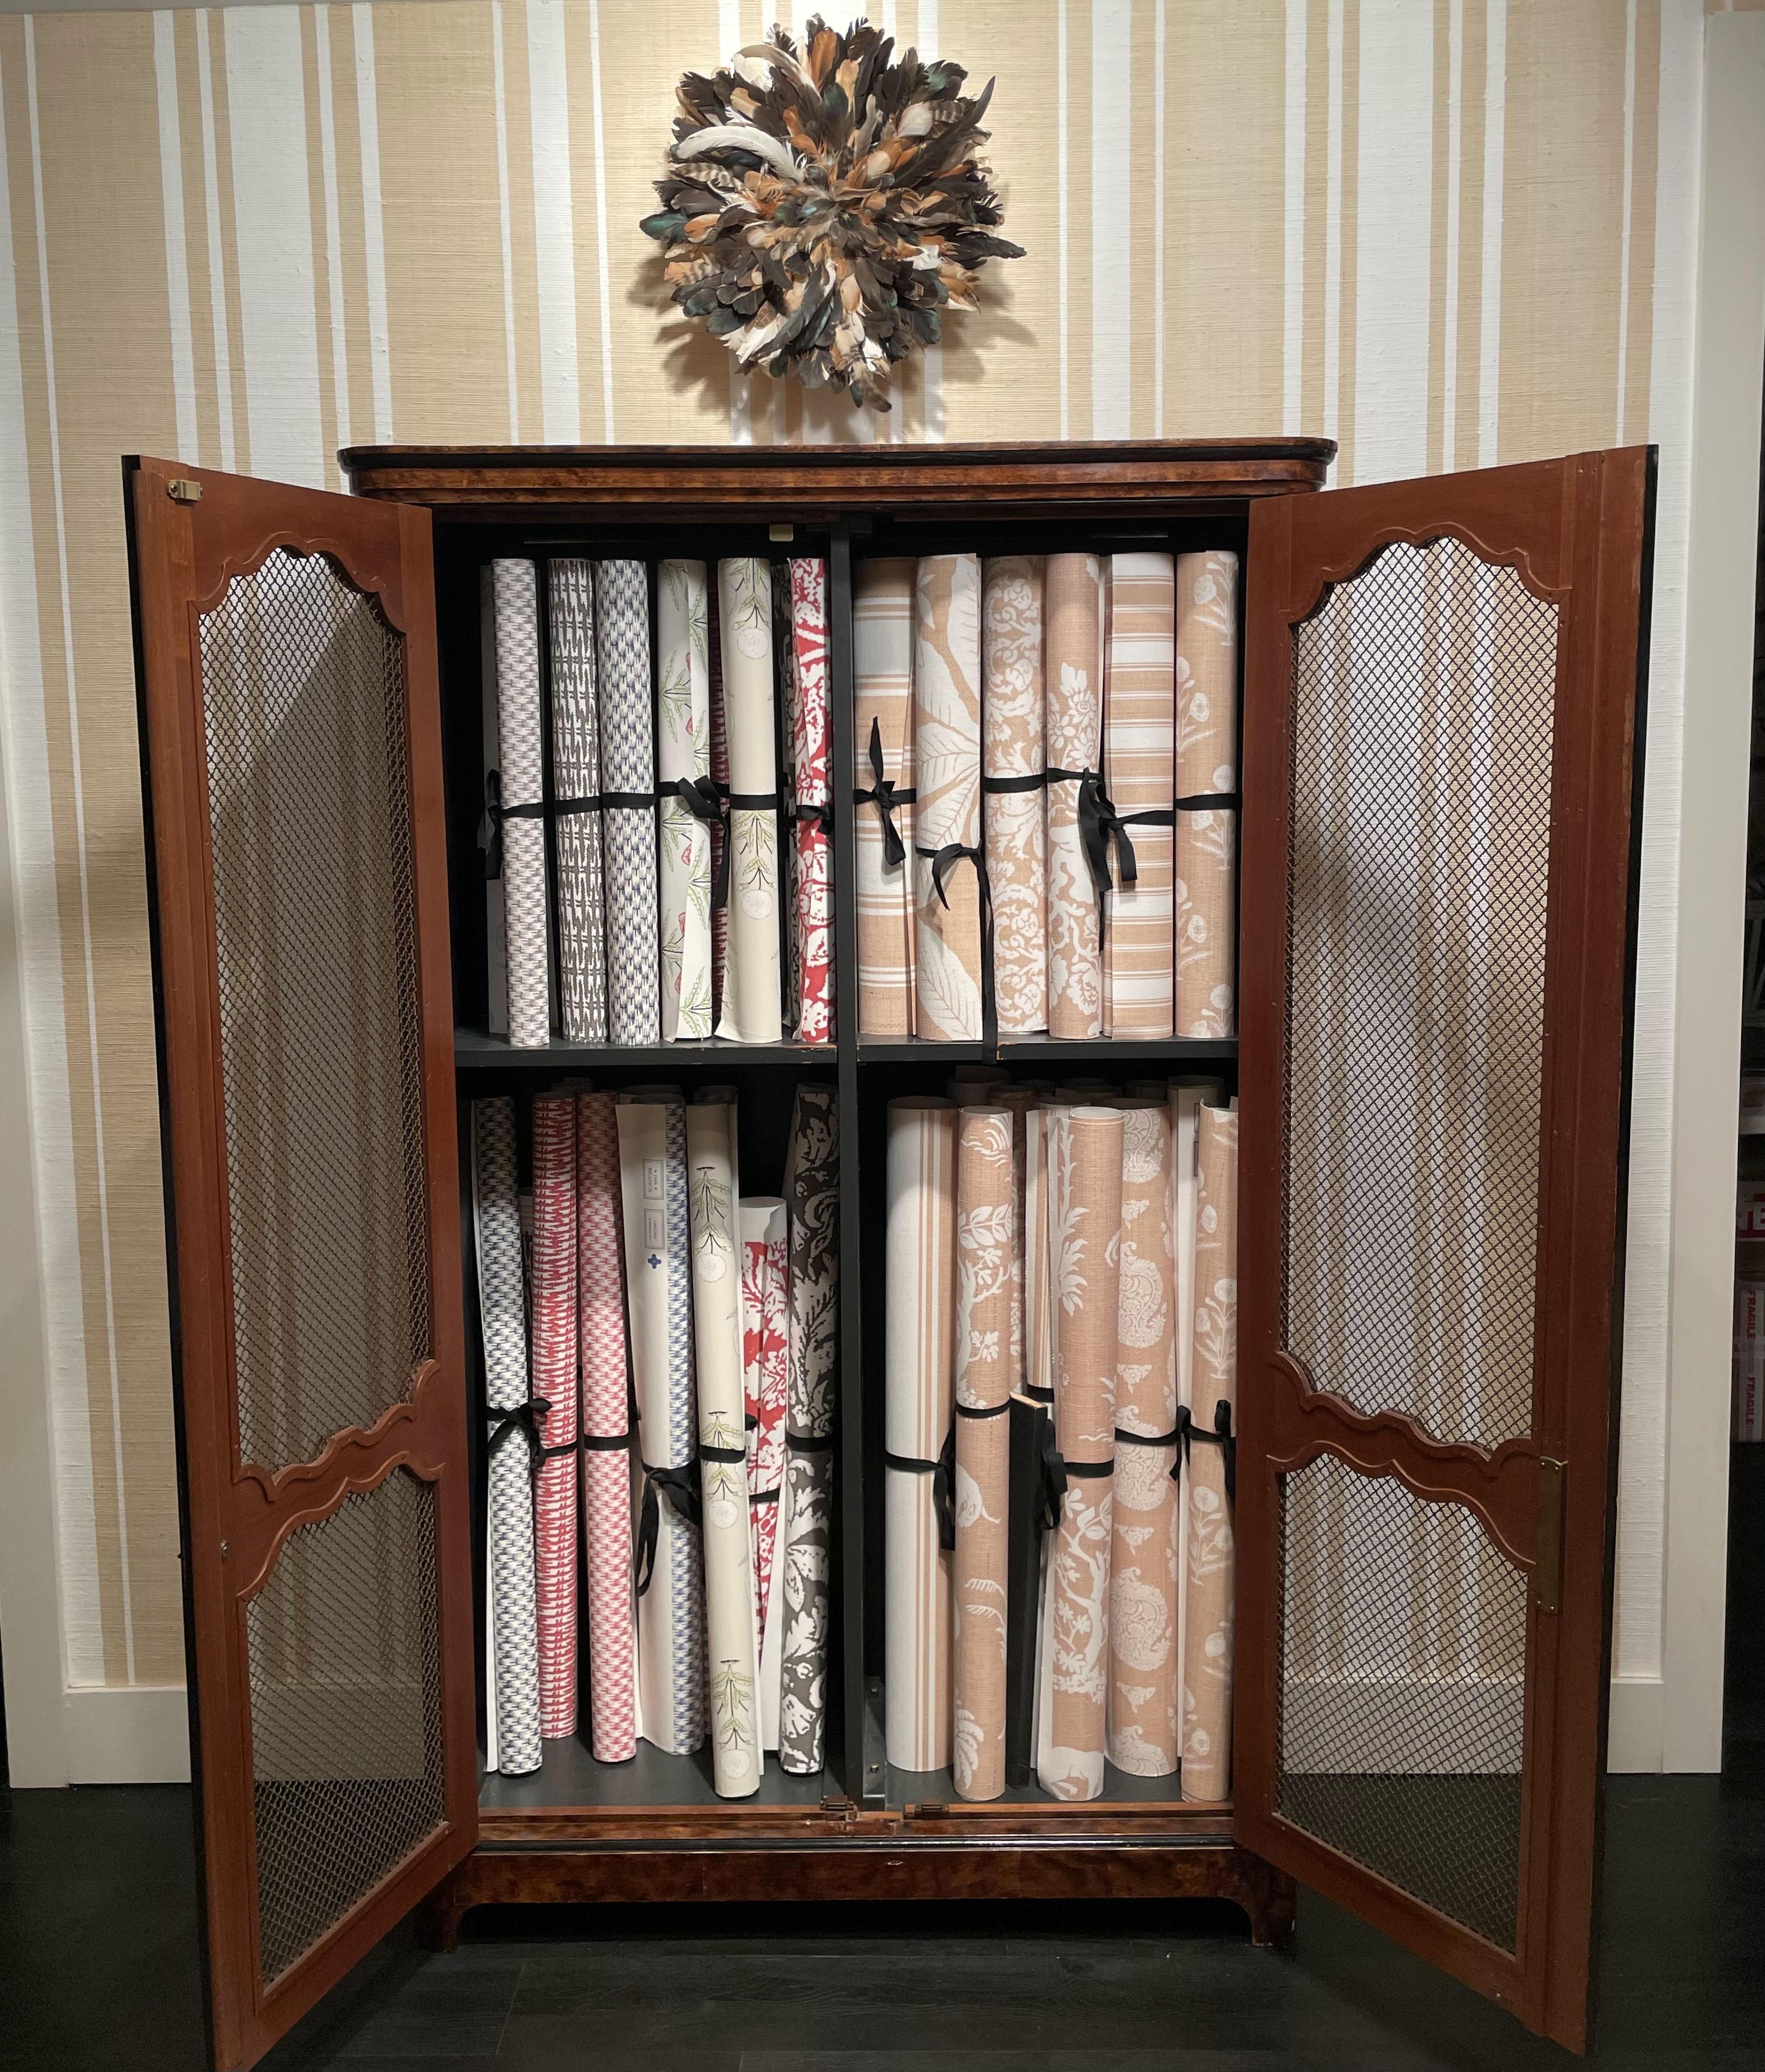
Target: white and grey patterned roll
point(621, 654)
point(514, 593)
point(514, 1682)
point(576, 774)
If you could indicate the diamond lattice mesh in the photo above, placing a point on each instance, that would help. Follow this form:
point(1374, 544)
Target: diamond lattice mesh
point(343, 1646)
point(303, 706)
point(1419, 856)
point(1403, 1653)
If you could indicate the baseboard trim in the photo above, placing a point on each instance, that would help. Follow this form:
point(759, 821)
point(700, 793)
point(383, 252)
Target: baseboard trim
point(1636, 1730)
point(137, 1734)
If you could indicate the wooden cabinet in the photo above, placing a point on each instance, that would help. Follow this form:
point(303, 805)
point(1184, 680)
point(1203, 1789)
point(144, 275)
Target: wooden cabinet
point(1441, 768)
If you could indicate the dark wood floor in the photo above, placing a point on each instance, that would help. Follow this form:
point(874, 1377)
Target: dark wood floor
point(97, 1969)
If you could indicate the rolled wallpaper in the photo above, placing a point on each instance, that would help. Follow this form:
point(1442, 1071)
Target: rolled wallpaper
point(752, 980)
point(607, 1458)
point(1074, 613)
point(496, 944)
point(683, 832)
point(947, 946)
point(513, 1696)
point(522, 787)
point(811, 748)
point(1140, 743)
point(555, 1382)
point(1207, 751)
point(1014, 821)
point(882, 636)
point(985, 1243)
point(1184, 1099)
point(1084, 1219)
point(766, 1367)
point(719, 827)
point(919, 1274)
point(651, 1124)
point(576, 779)
point(621, 655)
point(730, 1644)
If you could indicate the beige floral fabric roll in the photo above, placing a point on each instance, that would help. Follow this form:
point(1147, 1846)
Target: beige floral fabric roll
point(919, 1269)
point(1144, 1666)
point(1207, 754)
point(985, 1250)
point(1185, 1099)
point(1084, 1222)
point(882, 638)
point(1014, 822)
point(1073, 597)
point(1139, 758)
point(947, 948)
point(1207, 1656)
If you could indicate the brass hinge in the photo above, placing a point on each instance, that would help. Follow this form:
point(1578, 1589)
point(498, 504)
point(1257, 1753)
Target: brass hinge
point(182, 489)
point(1547, 1562)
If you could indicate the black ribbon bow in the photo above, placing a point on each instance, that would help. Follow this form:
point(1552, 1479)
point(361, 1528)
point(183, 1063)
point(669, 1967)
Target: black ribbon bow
point(942, 1472)
point(526, 1417)
point(1050, 1491)
point(1221, 1436)
point(885, 795)
point(707, 800)
point(490, 826)
point(680, 1486)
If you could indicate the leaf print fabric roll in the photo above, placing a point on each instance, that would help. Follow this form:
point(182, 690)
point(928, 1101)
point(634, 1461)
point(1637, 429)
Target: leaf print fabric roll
point(576, 774)
point(684, 753)
point(1207, 1650)
point(920, 1276)
point(811, 748)
point(730, 1649)
point(1140, 749)
point(622, 657)
point(947, 949)
point(882, 638)
point(555, 1380)
point(985, 1248)
point(514, 591)
point(1084, 1224)
point(1145, 1671)
point(1014, 822)
point(1207, 753)
point(1074, 606)
point(751, 985)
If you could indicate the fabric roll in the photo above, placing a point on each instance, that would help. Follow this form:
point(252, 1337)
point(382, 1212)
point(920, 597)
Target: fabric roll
point(730, 1646)
point(1074, 606)
point(1184, 1101)
point(752, 980)
point(811, 751)
point(622, 660)
point(683, 834)
point(947, 859)
point(719, 827)
point(496, 943)
point(1139, 766)
point(1015, 821)
point(766, 1366)
point(1145, 1671)
point(882, 637)
point(981, 1494)
point(555, 1382)
point(513, 1695)
point(919, 1273)
point(606, 1468)
point(812, 1200)
point(785, 649)
point(1038, 1318)
point(1024, 1542)
point(521, 787)
point(1084, 1219)
point(1207, 754)
point(1018, 1103)
point(652, 1130)
point(575, 778)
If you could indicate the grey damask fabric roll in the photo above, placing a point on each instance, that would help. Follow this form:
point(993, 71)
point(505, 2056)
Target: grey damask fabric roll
point(515, 592)
point(576, 775)
point(621, 652)
point(496, 1222)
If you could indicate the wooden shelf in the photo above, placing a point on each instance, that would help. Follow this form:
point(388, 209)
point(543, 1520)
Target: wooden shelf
point(1109, 1051)
point(476, 1051)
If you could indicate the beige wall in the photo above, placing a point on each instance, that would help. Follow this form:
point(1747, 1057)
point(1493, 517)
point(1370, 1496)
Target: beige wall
point(1447, 232)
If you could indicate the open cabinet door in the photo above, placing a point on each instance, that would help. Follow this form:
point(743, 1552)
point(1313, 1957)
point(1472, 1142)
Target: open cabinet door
point(286, 644)
point(1441, 815)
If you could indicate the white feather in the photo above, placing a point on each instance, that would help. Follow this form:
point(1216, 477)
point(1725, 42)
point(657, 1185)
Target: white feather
point(737, 137)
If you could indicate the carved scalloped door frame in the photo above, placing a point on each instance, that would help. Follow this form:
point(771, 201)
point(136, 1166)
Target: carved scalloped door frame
point(184, 551)
point(1577, 533)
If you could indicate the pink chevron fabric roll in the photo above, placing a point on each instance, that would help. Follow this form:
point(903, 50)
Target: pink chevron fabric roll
point(1074, 609)
point(555, 1380)
point(1207, 749)
point(606, 1469)
point(882, 636)
point(1014, 823)
point(1208, 1635)
point(1139, 760)
point(947, 947)
point(811, 748)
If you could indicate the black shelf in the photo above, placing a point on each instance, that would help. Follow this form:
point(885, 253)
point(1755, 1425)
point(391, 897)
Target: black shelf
point(476, 1051)
point(569, 1779)
point(910, 1787)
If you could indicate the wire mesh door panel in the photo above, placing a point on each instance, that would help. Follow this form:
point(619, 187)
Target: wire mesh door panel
point(1441, 695)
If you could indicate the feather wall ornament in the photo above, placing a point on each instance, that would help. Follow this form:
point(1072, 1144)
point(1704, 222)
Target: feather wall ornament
point(822, 210)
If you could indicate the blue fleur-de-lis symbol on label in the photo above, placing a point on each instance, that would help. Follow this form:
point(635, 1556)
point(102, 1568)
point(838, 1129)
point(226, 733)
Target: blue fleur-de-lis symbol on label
point(652, 1261)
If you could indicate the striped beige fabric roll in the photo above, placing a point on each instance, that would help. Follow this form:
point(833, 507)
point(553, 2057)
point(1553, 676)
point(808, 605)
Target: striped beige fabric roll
point(1145, 1669)
point(882, 641)
point(1074, 609)
point(1084, 1219)
point(1207, 753)
point(683, 839)
point(947, 948)
point(752, 980)
point(1140, 762)
point(1208, 1626)
point(986, 1251)
point(920, 1275)
point(1014, 822)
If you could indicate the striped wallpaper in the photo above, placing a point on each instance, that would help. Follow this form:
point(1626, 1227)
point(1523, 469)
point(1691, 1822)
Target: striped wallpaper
point(1446, 231)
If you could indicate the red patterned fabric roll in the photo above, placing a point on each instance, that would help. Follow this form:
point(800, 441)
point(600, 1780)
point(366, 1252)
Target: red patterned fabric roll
point(554, 1380)
point(766, 1289)
point(811, 745)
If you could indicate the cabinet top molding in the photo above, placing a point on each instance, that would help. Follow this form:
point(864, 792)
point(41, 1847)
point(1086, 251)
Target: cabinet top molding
point(1040, 479)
